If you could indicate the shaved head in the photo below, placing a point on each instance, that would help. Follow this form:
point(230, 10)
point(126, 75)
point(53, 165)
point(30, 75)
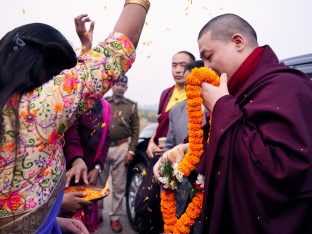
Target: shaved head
point(223, 27)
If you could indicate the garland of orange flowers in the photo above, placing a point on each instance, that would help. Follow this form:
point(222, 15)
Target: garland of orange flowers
point(193, 155)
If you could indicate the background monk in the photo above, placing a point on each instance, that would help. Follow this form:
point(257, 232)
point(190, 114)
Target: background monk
point(258, 171)
point(148, 210)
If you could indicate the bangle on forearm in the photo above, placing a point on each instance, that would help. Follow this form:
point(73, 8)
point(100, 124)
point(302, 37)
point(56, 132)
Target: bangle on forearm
point(99, 168)
point(131, 152)
point(144, 3)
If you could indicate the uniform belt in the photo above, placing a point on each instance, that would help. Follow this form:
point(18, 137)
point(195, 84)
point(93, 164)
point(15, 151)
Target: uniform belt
point(118, 142)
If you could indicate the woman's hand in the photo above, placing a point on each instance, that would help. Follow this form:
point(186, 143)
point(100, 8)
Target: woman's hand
point(84, 35)
point(79, 170)
point(73, 201)
point(68, 225)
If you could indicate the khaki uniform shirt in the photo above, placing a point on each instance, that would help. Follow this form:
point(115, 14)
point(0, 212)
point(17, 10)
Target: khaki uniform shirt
point(125, 121)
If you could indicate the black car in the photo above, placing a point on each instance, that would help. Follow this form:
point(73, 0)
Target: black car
point(302, 63)
point(136, 170)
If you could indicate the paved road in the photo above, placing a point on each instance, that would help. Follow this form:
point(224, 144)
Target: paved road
point(106, 228)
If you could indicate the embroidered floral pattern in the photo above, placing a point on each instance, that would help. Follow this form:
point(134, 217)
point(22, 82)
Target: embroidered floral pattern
point(12, 201)
point(28, 176)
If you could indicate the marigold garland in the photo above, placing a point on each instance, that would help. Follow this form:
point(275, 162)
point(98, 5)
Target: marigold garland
point(193, 155)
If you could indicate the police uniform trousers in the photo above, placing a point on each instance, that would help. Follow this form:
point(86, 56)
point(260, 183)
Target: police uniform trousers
point(115, 166)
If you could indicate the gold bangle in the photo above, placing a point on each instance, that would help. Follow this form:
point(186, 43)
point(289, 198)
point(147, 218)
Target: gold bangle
point(144, 3)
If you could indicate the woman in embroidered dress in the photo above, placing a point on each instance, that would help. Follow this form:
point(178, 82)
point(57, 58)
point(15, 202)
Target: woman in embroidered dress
point(37, 105)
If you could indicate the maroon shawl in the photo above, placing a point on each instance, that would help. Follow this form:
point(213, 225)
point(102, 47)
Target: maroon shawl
point(163, 118)
point(87, 137)
point(258, 174)
point(244, 71)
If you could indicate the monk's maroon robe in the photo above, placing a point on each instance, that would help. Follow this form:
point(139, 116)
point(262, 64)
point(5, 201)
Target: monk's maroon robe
point(163, 115)
point(258, 175)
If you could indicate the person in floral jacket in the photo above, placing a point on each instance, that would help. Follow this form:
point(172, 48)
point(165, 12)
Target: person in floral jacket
point(39, 100)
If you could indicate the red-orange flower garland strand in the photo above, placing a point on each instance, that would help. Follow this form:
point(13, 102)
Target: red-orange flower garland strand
point(193, 155)
point(194, 102)
point(186, 221)
point(168, 210)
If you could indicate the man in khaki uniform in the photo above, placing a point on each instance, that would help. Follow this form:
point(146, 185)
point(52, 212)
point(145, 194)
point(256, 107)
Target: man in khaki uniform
point(124, 133)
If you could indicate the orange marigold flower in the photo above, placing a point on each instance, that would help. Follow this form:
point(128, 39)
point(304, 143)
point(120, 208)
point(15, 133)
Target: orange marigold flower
point(195, 141)
point(196, 114)
point(193, 127)
point(196, 147)
point(193, 108)
point(196, 120)
point(194, 102)
point(196, 133)
point(190, 88)
point(194, 160)
point(193, 93)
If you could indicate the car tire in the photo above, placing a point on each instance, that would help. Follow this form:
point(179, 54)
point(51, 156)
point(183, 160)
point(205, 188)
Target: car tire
point(134, 181)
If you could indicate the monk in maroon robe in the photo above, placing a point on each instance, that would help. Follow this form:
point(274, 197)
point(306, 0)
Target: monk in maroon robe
point(148, 210)
point(258, 174)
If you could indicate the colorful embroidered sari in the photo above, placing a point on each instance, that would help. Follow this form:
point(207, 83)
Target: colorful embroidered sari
point(32, 177)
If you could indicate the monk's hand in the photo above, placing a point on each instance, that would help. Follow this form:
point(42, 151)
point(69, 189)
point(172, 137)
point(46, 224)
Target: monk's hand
point(153, 149)
point(161, 150)
point(84, 35)
point(211, 94)
point(78, 170)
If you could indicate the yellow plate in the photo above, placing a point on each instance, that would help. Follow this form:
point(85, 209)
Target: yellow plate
point(94, 193)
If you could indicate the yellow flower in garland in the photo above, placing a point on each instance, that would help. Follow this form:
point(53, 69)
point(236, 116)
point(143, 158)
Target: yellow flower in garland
point(193, 155)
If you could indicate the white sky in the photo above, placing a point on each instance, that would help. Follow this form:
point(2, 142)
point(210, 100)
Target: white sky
point(171, 26)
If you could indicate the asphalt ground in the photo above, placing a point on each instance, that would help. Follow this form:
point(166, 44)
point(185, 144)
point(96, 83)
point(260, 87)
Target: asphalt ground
point(106, 228)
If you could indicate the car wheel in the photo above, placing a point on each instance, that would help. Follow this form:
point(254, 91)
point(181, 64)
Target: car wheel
point(134, 181)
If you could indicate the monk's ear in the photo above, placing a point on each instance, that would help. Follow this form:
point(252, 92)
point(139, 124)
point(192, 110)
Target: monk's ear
point(239, 41)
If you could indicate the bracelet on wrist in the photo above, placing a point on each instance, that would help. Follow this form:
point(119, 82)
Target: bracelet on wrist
point(98, 167)
point(144, 3)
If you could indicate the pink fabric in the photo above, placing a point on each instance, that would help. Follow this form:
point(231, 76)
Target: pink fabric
point(106, 114)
